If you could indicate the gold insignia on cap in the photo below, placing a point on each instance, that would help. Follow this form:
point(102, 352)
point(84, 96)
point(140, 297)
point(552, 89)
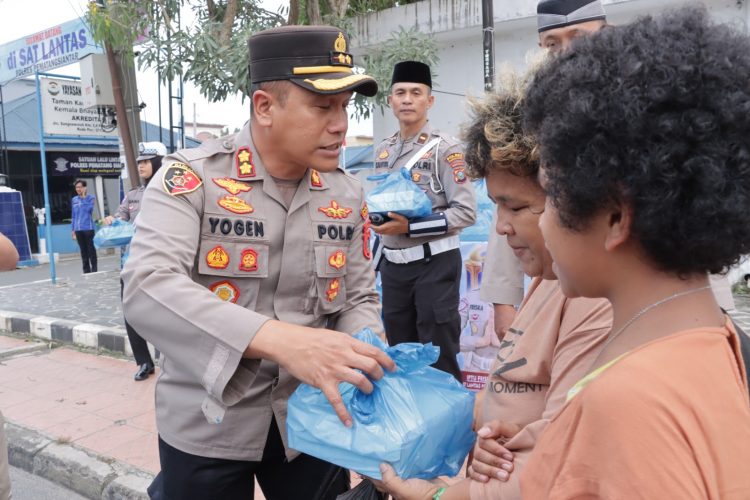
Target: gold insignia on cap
point(340, 44)
point(336, 84)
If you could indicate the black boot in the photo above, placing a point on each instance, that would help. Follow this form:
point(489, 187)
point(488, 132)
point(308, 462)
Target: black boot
point(144, 371)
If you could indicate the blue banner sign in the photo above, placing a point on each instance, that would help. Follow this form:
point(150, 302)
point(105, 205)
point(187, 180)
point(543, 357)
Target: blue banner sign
point(49, 49)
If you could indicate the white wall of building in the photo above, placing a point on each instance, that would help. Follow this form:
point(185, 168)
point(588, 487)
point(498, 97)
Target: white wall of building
point(457, 27)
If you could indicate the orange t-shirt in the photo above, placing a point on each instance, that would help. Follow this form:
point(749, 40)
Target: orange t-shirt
point(670, 419)
point(550, 345)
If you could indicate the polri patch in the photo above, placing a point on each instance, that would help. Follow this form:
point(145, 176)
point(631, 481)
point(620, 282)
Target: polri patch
point(180, 179)
point(337, 259)
point(459, 176)
point(244, 160)
point(249, 260)
point(235, 205)
point(226, 291)
point(217, 258)
point(334, 211)
point(232, 186)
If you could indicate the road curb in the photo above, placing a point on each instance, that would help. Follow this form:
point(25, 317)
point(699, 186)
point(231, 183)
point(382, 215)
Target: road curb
point(98, 337)
point(75, 468)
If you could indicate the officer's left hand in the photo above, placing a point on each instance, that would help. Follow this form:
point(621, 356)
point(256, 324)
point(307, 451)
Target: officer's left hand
point(397, 225)
point(409, 489)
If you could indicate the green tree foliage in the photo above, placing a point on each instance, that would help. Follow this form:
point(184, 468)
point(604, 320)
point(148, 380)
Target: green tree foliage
point(205, 41)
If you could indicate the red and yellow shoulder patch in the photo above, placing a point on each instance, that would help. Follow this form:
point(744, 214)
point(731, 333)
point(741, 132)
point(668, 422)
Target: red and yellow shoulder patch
point(180, 179)
point(364, 212)
point(217, 258)
point(235, 205)
point(244, 161)
point(231, 185)
point(335, 211)
point(315, 179)
point(226, 291)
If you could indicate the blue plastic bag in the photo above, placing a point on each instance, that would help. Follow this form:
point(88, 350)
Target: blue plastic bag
point(118, 234)
point(418, 419)
point(482, 228)
point(398, 193)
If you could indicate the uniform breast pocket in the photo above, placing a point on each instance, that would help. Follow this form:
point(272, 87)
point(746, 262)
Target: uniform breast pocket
point(233, 270)
point(330, 274)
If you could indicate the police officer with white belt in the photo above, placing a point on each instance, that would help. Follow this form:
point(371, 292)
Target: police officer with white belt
point(248, 248)
point(421, 261)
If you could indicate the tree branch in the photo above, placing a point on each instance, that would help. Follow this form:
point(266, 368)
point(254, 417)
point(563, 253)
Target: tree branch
point(226, 26)
point(293, 12)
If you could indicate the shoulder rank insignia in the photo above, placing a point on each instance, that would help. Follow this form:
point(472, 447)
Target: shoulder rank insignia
point(335, 211)
point(337, 259)
point(315, 179)
point(383, 155)
point(180, 179)
point(244, 161)
point(249, 260)
point(332, 291)
point(226, 291)
point(459, 175)
point(235, 205)
point(422, 138)
point(217, 258)
point(231, 185)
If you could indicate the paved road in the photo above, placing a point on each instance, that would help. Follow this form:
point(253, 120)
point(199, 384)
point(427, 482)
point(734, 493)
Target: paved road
point(67, 268)
point(87, 298)
point(27, 486)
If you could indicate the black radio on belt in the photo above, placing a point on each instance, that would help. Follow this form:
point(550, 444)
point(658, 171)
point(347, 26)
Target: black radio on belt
point(379, 218)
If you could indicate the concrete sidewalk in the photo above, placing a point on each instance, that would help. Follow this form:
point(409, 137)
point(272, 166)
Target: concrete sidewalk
point(78, 419)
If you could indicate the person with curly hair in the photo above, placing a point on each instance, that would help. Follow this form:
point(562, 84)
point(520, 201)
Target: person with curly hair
point(644, 137)
point(552, 340)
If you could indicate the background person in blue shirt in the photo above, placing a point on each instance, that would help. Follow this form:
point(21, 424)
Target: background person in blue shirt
point(83, 225)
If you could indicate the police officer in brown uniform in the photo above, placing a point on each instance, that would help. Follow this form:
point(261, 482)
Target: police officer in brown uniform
point(248, 248)
point(421, 261)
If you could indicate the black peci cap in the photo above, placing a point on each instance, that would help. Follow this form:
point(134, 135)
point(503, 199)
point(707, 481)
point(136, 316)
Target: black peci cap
point(551, 14)
point(313, 57)
point(412, 72)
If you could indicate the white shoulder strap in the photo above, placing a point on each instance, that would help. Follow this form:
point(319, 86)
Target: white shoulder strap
point(414, 159)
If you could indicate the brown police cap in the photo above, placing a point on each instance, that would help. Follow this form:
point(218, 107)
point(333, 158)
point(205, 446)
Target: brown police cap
point(313, 57)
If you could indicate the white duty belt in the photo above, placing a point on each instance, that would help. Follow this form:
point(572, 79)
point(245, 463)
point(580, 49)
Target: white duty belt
point(413, 254)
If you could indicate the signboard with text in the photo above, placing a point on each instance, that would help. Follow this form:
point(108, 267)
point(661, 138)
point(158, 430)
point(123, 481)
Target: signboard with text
point(52, 48)
point(64, 113)
point(84, 164)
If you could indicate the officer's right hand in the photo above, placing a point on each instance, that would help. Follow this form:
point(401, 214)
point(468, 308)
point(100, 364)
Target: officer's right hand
point(321, 358)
